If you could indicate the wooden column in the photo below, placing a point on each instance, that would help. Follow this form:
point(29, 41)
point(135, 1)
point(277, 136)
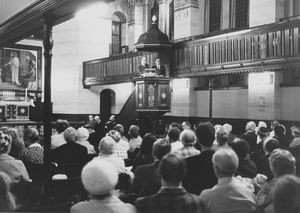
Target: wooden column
point(210, 86)
point(48, 44)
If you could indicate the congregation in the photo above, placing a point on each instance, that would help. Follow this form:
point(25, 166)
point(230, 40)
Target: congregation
point(100, 167)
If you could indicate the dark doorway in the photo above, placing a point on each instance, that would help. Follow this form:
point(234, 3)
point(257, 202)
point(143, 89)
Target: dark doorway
point(107, 101)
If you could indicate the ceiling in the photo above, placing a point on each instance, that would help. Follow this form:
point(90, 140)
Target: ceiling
point(9, 7)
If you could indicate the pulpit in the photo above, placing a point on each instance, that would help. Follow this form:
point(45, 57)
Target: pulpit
point(153, 99)
point(153, 94)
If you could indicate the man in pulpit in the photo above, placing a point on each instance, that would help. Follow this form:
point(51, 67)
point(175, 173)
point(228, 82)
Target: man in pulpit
point(159, 69)
point(142, 66)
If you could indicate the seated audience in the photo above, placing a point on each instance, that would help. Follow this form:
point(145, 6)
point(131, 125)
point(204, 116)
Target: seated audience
point(122, 146)
point(82, 139)
point(229, 195)
point(70, 154)
point(147, 179)
point(107, 147)
point(188, 139)
point(120, 129)
point(7, 200)
point(99, 178)
point(263, 165)
point(250, 136)
point(221, 138)
point(247, 167)
point(171, 197)
point(295, 147)
point(17, 143)
point(231, 136)
point(34, 152)
point(144, 156)
point(58, 139)
point(173, 136)
point(14, 168)
point(280, 135)
point(281, 163)
point(200, 174)
point(286, 195)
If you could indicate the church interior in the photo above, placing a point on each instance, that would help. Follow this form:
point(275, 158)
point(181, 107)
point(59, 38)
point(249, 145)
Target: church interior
point(148, 66)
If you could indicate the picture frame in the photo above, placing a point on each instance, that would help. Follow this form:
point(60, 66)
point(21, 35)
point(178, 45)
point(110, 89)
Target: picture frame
point(21, 68)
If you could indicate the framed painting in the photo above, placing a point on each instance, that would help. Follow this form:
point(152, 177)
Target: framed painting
point(20, 67)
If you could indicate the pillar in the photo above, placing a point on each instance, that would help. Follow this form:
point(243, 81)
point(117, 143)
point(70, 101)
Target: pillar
point(48, 44)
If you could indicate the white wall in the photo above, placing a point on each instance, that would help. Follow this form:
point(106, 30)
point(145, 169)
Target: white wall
point(290, 103)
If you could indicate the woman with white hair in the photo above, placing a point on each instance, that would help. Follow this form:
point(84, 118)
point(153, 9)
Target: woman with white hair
point(82, 139)
point(250, 136)
point(99, 178)
point(188, 139)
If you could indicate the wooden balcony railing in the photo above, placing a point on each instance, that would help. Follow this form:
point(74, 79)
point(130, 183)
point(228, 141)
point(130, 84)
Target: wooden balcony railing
point(114, 69)
point(272, 44)
point(249, 47)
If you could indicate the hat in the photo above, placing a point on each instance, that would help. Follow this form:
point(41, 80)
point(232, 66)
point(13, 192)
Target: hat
point(99, 177)
point(263, 131)
point(295, 130)
point(4, 142)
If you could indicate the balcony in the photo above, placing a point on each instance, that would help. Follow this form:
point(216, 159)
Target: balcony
point(269, 47)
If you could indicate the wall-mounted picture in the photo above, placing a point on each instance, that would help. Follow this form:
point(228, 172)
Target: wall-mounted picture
point(20, 67)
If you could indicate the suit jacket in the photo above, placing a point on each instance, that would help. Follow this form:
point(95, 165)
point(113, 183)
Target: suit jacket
point(147, 180)
point(173, 200)
point(200, 174)
point(161, 70)
point(251, 138)
point(111, 204)
point(100, 130)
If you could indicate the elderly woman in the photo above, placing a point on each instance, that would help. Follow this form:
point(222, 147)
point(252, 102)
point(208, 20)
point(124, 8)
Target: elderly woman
point(136, 140)
point(58, 139)
point(282, 163)
point(221, 138)
point(188, 139)
point(122, 146)
point(99, 178)
point(107, 148)
point(14, 168)
point(17, 143)
point(34, 152)
point(83, 135)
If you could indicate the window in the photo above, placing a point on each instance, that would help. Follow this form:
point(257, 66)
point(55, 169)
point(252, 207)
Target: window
point(118, 33)
point(215, 7)
point(241, 13)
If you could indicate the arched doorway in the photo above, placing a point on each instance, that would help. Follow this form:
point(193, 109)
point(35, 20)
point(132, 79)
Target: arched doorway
point(118, 43)
point(107, 103)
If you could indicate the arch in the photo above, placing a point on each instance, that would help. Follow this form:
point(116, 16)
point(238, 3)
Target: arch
point(119, 34)
point(107, 103)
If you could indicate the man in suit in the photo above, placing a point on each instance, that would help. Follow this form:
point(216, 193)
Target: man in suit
point(71, 156)
point(147, 180)
point(171, 197)
point(200, 174)
point(250, 136)
point(159, 69)
point(142, 66)
point(99, 128)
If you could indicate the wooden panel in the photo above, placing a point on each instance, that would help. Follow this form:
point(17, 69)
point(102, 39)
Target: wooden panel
point(206, 54)
point(295, 40)
point(287, 42)
point(218, 52)
point(249, 47)
point(271, 44)
point(242, 48)
point(229, 50)
point(235, 50)
point(263, 46)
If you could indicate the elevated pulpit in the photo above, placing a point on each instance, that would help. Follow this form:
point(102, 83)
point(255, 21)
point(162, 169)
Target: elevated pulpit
point(153, 98)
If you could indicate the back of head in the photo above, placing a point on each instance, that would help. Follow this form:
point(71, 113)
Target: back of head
point(221, 135)
point(70, 135)
point(270, 144)
point(5, 143)
point(263, 132)
point(107, 145)
point(250, 126)
point(286, 195)
point(147, 144)
point(31, 135)
point(177, 125)
point(205, 133)
point(119, 128)
point(173, 134)
point(241, 148)
point(279, 130)
point(225, 162)
point(134, 131)
point(227, 127)
point(61, 125)
point(7, 200)
point(295, 131)
point(188, 137)
point(114, 134)
point(172, 168)
point(161, 147)
point(186, 125)
point(99, 177)
point(83, 134)
point(282, 162)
